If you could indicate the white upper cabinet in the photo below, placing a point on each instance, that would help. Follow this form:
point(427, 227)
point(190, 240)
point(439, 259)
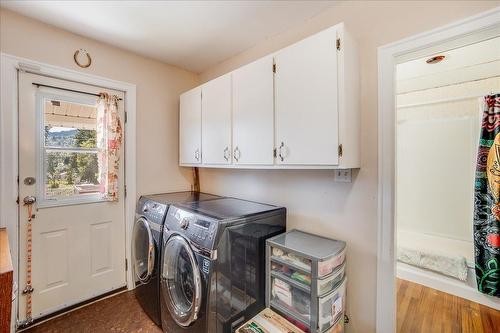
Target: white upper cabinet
point(307, 101)
point(190, 127)
point(253, 113)
point(216, 121)
point(301, 113)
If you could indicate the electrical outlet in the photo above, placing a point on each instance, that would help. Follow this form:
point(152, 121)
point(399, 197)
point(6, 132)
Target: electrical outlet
point(343, 176)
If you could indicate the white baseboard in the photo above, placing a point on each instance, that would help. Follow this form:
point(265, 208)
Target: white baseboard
point(446, 284)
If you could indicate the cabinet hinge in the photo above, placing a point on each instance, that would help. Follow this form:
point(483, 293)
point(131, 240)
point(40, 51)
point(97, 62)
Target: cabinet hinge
point(340, 150)
point(126, 264)
point(274, 68)
point(338, 44)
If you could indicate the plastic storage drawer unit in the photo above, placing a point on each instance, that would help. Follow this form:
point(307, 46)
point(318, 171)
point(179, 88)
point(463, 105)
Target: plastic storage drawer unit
point(306, 279)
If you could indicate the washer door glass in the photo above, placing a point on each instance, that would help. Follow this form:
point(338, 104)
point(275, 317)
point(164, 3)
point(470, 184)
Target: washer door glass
point(143, 251)
point(181, 281)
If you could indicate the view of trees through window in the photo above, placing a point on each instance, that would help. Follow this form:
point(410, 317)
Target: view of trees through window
point(71, 162)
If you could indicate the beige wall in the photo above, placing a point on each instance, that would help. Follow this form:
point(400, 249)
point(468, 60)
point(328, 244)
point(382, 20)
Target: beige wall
point(158, 89)
point(315, 203)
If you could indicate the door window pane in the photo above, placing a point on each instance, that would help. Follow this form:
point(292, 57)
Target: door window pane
point(70, 174)
point(70, 166)
point(67, 137)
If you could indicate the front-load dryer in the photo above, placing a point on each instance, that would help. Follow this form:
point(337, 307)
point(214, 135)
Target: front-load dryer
point(213, 263)
point(146, 245)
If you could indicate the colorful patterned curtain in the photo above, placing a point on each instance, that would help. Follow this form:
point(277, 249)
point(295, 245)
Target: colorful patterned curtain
point(487, 200)
point(109, 141)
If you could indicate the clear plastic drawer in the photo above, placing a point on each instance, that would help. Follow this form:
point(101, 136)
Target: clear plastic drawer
point(285, 295)
point(330, 282)
point(328, 266)
point(301, 264)
point(324, 285)
point(289, 297)
point(292, 273)
point(331, 307)
point(291, 259)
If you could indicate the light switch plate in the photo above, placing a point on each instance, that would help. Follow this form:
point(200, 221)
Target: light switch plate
point(343, 176)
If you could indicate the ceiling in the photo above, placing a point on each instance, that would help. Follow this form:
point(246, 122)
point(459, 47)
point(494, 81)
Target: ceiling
point(194, 35)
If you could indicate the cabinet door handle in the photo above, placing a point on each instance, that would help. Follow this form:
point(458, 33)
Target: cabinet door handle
point(197, 154)
point(226, 154)
point(237, 154)
point(280, 152)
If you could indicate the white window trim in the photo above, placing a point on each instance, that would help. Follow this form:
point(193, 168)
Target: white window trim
point(457, 34)
point(43, 202)
point(9, 143)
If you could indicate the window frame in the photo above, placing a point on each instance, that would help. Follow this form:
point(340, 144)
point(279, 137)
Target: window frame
point(42, 200)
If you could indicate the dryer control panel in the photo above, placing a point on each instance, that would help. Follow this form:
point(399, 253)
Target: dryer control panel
point(152, 210)
point(200, 230)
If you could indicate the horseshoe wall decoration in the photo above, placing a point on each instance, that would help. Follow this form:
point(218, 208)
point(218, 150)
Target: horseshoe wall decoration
point(77, 54)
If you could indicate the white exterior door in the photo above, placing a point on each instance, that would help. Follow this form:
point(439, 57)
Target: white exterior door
point(307, 101)
point(216, 121)
point(78, 241)
point(190, 127)
point(253, 113)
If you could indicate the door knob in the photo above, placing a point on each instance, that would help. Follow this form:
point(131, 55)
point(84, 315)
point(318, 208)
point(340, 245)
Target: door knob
point(29, 200)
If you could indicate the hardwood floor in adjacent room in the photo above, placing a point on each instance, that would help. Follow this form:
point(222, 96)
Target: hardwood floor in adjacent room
point(425, 310)
point(121, 314)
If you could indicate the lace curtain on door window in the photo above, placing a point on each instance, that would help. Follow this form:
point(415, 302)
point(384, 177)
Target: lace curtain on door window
point(109, 141)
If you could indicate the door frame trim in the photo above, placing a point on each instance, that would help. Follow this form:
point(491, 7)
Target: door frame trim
point(456, 34)
point(10, 65)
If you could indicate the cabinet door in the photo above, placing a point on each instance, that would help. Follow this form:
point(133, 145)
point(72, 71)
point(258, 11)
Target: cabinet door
point(306, 101)
point(190, 127)
point(253, 113)
point(216, 121)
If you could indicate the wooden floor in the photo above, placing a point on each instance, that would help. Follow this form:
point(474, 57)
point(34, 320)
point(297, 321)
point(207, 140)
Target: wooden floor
point(426, 310)
point(118, 314)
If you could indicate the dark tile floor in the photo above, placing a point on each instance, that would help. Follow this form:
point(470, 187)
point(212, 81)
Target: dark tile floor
point(120, 313)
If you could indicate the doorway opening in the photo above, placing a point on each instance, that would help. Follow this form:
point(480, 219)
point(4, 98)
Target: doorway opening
point(468, 31)
point(439, 108)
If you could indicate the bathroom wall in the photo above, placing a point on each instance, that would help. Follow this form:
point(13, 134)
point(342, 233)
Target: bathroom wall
point(436, 157)
point(314, 201)
point(438, 125)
